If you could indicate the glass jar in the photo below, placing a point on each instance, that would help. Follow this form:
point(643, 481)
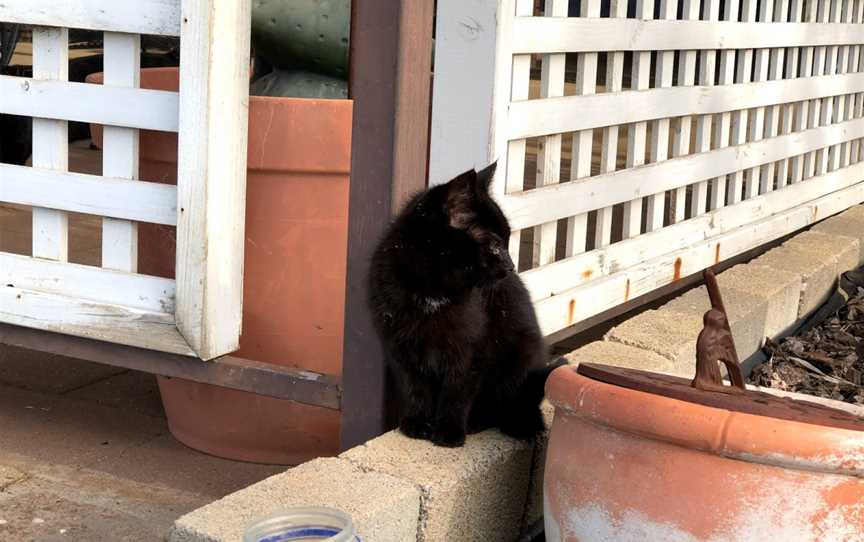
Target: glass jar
point(304, 524)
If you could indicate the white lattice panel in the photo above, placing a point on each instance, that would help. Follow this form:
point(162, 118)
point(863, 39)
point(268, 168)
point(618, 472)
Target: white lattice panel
point(199, 313)
point(666, 139)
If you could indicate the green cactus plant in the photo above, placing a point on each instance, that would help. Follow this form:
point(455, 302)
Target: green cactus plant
point(299, 84)
point(310, 35)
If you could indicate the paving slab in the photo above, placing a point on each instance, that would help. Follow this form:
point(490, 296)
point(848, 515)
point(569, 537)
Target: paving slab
point(80, 505)
point(10, 475)
point(128, 390)
point(101, 469)
point(383, 508)
point(48, 373)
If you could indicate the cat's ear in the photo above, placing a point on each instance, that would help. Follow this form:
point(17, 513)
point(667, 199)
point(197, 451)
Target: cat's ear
point(484, 177)
point(460, 200)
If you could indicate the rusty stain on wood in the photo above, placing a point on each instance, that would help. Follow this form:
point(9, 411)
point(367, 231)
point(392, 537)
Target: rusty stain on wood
point(587, 274)
point(627, 291)
point(571, 310)
point(677, 274)
point(717, 253)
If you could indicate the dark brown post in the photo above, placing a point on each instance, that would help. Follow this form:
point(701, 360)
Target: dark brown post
point(391, 59)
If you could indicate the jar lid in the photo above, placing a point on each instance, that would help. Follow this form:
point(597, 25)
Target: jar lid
point(748, 402)
point(307, 523)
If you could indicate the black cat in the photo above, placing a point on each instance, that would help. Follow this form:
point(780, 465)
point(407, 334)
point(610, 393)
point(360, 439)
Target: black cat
point(457, 324)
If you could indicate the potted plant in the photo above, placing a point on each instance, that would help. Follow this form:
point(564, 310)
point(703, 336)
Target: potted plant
point(634, 455)
point(296, 230)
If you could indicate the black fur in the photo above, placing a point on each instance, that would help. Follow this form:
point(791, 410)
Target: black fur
point(456, 322)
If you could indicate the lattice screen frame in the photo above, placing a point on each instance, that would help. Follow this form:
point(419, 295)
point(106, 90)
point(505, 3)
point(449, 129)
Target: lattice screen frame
point(199, 313)
point(741, 148)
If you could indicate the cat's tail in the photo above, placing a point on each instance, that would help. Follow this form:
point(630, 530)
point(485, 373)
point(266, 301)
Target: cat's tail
point(521, 417)
point(534, 387)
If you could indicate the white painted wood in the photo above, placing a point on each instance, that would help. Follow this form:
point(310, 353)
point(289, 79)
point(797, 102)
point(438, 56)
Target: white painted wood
point(557, 278)
point(609, 151)
point(801, 165)
point(769, 68)
point(555, 35)
point(855, 99)
point(814, 166)
point(104, 322)
point(122, 66)
point(829, 105)
point(723, 126)
point(89, 194)
point(740, 119)
point(764, 131)
point(840, 154)
point(586, 84)
point(553, 202)
point(89, 283)
point(549, 153)
point(212, 171)
point(659, 147)
point(532, 118)
point(467, 44)
point(707, 65)
point(520, 80)
point(159, 17)
point(681, 135)
point(783, 67)
point(50, 142)
point(82, 102)
point(582, 302)
point(636, 134)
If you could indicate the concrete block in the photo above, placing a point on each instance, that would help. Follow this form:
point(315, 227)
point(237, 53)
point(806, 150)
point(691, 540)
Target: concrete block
point(747, 315)
point(622, 355)
point(669, 334)
point(779, 290)
point(476, 492)
point(845, 224)
point(816, 258)
point(846, 249)
point(856, 211)
point(384, 509)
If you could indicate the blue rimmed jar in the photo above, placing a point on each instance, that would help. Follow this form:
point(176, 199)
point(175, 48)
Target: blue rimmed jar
point(303, 524)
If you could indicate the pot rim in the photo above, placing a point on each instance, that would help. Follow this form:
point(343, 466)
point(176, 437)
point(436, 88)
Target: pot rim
point(736, 435)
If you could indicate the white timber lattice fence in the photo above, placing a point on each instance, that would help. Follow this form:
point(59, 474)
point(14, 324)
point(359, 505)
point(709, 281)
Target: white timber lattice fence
point(199, 313)
point(641, 143)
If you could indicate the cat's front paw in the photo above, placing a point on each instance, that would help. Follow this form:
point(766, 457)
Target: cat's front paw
point(415, 427)
point(449, 437)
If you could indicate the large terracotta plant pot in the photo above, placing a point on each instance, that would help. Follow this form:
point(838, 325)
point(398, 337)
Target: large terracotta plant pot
point(625, 465)
point(294, 275)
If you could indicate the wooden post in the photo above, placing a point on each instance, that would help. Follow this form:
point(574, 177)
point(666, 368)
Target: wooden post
point(391, 59)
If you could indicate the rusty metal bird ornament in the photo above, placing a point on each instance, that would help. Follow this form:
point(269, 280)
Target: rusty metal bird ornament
point(715, 344)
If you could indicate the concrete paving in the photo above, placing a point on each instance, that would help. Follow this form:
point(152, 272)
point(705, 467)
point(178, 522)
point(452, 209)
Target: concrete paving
point(85, 454)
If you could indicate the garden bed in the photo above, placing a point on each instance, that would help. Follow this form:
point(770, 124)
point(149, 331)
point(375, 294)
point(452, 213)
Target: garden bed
point(826, 357)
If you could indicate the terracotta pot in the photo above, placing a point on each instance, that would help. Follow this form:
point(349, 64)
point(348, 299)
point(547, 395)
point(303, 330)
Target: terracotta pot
point(294, 276)
point(628, 465)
